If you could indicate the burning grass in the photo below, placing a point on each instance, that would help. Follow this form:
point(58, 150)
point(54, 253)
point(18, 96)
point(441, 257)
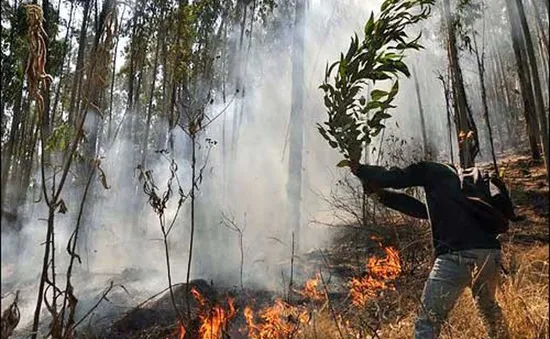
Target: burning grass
point(379, 282)
point(380, 274)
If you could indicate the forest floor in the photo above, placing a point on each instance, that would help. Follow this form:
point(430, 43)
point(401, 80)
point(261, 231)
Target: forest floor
point(372, 278)
point(367, 284)
point(523, 293)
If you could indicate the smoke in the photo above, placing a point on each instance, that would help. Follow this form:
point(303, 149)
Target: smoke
point(121, 237)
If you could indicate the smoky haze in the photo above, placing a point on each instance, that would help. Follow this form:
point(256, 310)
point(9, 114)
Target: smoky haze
point(246, 184)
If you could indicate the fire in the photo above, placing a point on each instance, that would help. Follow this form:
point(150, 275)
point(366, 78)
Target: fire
point(181, 332)
point(387, 268)
point(198, 296)
point(311, 289)
point(380, 273)
point(278, 321)
point(213, 320)
point(178, 333)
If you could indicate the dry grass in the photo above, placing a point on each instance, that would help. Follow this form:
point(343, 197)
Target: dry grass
point(523, 297)
point(523, 294)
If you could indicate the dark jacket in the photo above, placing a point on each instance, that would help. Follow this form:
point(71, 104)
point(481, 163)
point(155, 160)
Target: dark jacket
point(454, 226)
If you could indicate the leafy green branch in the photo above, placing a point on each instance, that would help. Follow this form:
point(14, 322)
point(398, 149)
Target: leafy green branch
point(352, 119)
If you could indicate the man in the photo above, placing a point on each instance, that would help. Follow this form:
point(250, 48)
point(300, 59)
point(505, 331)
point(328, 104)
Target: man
point(467, 254)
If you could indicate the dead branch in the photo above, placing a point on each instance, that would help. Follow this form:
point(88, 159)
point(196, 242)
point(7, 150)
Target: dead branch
point(231, 225)
point(10, 318)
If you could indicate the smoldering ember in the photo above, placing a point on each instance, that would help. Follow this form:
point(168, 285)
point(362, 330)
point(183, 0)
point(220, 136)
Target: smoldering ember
point(274, 169)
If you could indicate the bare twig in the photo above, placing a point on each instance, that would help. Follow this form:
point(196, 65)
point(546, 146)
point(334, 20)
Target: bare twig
point(103, 297)
point(230, 224)
point(332, 312)
point(10, 318)
point(291, 270)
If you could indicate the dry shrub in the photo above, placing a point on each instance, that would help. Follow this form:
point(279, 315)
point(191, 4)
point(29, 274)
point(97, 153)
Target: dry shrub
point(523, 296)
point(320, 326)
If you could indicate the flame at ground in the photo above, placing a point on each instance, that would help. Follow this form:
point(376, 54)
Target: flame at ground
point(213, 320)
point(278, 321)
point(181, 332)
point(311, 289)
point(380, 273)
point(387, 268)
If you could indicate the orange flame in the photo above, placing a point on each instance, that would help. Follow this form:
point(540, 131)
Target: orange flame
point(181, 332)
point(380, 273)
point(277, 322)
point(387, 268)
point(311, 289)
point(213, 320)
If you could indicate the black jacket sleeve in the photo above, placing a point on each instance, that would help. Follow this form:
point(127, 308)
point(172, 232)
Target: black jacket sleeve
point(418, 174)
point(403, 203)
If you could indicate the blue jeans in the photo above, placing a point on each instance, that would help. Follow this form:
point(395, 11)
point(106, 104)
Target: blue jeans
point(450, 275)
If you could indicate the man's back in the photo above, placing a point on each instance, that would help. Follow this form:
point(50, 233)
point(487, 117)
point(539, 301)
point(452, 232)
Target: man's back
point(454, 226)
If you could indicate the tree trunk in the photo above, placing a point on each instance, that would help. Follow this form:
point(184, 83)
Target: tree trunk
point(449, 117)
point(510, 109)
point(113, 78)
point(9, 155)
point(238, 86)
point(466, 147)
point(539, 103)
point(540, 27)
point(525, 83)
point(481, 72)
point(296, 142)
point(151, 94)
point(61, 69)
point(500, 109)
point(421, 112)
point(79, 71)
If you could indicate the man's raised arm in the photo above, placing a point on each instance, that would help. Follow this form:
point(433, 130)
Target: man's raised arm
point(418, 174)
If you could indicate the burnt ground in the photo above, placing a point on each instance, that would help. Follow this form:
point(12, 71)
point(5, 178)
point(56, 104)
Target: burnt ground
point(344, 260)
point(347, 256)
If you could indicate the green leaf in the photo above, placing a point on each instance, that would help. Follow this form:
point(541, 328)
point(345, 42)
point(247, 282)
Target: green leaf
point(401, 67)
point(386, 4)
point(394, 89)
point(369, 26)
point(377, 94)
point(343, 163)
point(364, 63)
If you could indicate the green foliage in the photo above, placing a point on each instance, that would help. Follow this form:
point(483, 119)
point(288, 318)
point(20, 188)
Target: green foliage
point(352, 119)
point(60, 137)
point(14, 51)
point(467, 13)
